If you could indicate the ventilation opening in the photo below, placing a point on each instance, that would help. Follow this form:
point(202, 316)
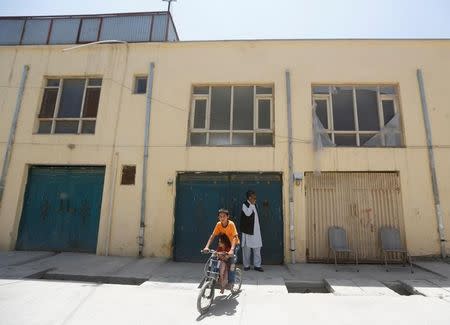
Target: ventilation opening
point(87, 278)
point(398, 288)
point(128, 175)
point(306, 287)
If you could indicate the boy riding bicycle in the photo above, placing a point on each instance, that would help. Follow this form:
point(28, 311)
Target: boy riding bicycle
point(227, 228)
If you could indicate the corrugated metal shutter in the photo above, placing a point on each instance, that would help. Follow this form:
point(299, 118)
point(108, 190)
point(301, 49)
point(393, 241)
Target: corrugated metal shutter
point(61, 210)
point(361, 203)
point(131, 29)
point(89, 30)
point(11, 31)
point(199, 196)
point(64, 31)
point(36, 31)
point(159, 28)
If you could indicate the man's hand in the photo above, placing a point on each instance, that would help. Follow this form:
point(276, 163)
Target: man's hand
point(205, 250)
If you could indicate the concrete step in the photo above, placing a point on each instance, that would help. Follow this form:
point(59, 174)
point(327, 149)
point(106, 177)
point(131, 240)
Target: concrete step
point(358, 287)
point(426, 288)
point(374, 288)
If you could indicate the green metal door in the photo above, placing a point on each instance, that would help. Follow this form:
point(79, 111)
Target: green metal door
point(199, 196)
point(61, 209)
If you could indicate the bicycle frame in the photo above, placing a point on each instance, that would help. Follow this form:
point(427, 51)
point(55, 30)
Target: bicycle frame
point(212, 267)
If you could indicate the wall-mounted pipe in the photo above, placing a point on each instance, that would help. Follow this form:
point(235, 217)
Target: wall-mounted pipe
point(291, 167)
point(112, 192)
point(145, 160)
point(12, 131)
point(431, 162)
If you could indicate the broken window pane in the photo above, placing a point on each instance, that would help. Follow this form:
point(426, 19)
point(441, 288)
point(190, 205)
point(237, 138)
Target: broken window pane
point(343, 109)
point(45, 127)
point(264, 139)
point(326, 140)
point(263, 90)
point(48, 102)
point(345, 139)
point(95, 82)
point(219, 139)
point(393, 139)
point(243, 108)
point(53, 82)
point(387, 90)
point(201, 90)
point(370, 140)
point(388, 110)
point(198, 139)
point(140, 86)
point(71, 98)
point(367, 104)
point(321, 90)
point(264, 114)
point(243, 139)
point(128, 175)
point(91, 102)
point(66, 127)
point(220, 108)
point(88, 127)
point(322, 112)
point(200, 114)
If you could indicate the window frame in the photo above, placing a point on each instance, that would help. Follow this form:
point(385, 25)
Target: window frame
point(231, 131)
point(357, 132)
point(55, 117)
point(135, 84)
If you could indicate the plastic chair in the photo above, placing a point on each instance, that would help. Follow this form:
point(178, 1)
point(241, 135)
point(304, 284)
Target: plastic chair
point(391, 243)
point(337, 238)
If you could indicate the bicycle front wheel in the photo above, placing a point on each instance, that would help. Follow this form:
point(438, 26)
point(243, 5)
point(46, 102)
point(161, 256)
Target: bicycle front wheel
point(236, 286)
point(205, 297)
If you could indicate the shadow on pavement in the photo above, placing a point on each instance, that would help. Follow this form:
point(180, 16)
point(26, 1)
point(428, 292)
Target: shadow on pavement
point(224, 305)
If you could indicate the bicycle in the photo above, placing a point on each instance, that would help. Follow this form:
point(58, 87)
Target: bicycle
point(211, 278)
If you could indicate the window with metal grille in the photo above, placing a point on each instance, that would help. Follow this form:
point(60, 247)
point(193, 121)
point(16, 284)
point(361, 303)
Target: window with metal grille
point(358, 115)
point(128, 175)
point(232, 116)
point(69, 106)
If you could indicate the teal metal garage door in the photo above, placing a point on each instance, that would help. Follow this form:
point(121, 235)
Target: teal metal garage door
point(61, 209)
point(199, 196)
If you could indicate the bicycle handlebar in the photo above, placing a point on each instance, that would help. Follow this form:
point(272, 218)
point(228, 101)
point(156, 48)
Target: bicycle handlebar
point(212, 252)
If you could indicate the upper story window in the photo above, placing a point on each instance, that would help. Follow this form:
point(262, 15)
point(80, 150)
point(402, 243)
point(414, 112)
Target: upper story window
point(231, 116)
point(70, 106)
point(363, 116)
point(140, 85)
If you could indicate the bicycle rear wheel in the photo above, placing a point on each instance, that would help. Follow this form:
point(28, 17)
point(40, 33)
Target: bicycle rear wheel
point(205, 296)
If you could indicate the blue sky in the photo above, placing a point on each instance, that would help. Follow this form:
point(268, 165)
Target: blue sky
point(267, 19)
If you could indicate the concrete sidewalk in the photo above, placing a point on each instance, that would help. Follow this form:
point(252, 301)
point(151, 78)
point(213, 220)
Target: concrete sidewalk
point(161, 273)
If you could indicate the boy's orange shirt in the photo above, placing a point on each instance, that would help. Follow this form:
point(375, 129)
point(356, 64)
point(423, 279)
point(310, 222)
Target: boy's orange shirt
point(230, 231)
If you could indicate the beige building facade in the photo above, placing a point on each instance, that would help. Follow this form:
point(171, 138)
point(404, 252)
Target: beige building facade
point(180, 67)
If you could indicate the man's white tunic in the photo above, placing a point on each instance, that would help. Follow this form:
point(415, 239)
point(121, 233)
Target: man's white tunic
point(252, 241)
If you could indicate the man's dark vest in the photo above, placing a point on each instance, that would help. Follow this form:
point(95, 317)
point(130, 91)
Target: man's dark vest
point(247, 222)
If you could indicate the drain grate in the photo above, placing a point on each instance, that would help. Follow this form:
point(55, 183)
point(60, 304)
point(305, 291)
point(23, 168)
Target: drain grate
point(88, 278)
point(398, 288)
point(306, 287)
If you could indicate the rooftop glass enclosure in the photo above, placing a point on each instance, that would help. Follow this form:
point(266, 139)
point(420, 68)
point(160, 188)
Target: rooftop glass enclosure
point(130, 27)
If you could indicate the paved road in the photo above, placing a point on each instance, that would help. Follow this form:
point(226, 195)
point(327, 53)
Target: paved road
point(168, 291)
point(61, 302)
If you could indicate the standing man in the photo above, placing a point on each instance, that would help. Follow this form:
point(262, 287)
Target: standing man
point(251, 233)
